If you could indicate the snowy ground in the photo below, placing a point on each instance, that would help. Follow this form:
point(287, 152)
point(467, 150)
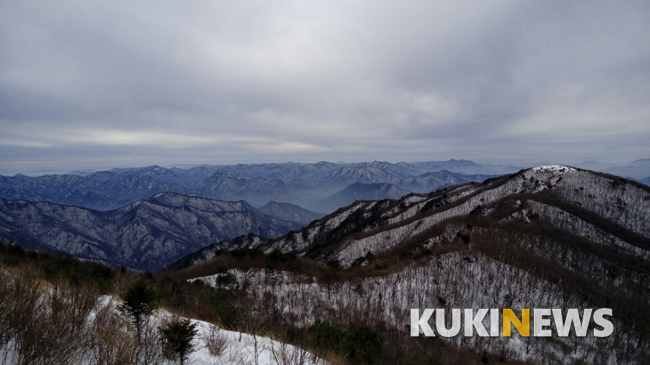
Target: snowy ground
point(236, 348)
point(239, 348)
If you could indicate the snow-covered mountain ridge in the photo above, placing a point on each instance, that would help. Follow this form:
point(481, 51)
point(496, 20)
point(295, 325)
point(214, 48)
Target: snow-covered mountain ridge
point(376, 226)
point(545, 237)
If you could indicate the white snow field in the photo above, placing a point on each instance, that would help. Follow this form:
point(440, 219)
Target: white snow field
point(237, 348)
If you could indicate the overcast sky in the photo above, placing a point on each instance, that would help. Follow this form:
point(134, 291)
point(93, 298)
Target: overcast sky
point(100, 84)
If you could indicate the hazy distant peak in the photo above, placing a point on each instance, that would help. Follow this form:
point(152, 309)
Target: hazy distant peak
point(642, 161)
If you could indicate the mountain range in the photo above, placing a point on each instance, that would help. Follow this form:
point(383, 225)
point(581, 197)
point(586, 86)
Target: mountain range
point(304, 185)
point(145, 235)
point(145, 218)
point(544, 237)
point(637, 169)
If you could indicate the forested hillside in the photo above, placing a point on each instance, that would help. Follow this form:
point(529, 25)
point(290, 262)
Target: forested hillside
point(546, 237)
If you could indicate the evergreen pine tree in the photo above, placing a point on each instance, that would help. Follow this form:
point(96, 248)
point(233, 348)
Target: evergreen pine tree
point(139, 302)
point(177, 337)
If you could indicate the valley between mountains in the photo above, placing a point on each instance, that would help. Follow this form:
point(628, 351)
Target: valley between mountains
point(543, 237)
point(149, 217)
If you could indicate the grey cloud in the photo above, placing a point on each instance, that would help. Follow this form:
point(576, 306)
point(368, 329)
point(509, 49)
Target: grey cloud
point(288, 80)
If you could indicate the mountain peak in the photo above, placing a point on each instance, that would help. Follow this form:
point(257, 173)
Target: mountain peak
point(553, 168)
